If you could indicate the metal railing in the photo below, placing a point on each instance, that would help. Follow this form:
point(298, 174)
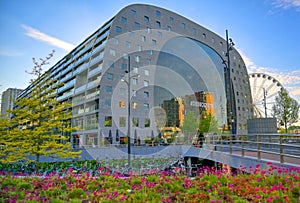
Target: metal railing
point(267, 146)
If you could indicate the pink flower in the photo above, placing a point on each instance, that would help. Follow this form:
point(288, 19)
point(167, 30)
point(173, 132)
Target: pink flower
point(122, 198)
point(257, 196)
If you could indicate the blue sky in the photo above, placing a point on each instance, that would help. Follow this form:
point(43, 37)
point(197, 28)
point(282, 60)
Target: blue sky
point(266, 32)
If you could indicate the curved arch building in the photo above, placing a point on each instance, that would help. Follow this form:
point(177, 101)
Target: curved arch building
point(172, 68)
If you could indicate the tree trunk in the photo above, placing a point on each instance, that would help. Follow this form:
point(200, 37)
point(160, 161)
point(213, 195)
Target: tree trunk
point(37, 163)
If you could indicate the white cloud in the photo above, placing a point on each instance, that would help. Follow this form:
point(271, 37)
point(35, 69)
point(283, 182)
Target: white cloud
point(38, 35)
point(287, 4)
point(290, 79)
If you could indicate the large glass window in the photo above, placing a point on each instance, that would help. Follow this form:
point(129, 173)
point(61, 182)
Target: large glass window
point(108, 121)
point(135, 122)
point(147, 122)
point(186, 87)
point(122, 121)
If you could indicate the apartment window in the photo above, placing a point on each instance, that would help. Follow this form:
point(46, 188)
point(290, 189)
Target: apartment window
point(135, 70)
point(118, 29)
point(128, 44)
point(158, 24)
point(221, 44)
point(159, 35)
point(169, 28)
point(122, 104)
point(108, 121)
point(125, 56)
point(137, 58)
point(194, 31)
point(109, 76)
point(213, 40)
point(131, 34)
point(140, 47)
point(147, 122)
point(124, 20)
point(111, 64)
point(133, 12)
point(115, 41)
point(183, 25)
point(112, 52)
point(134, 105)
point(150, 52)
point(146, 95)
point(134, 81)
point(171, 20)
point(136, 25)
point(146, 83)
point(124, 66)
point(108, 89)
point(157, 13)
point(146, 106)
point(146, 72)
point(146, 19)
point(153, 42)
point(135, 122)
point(148, 61)
point(122, 121)
point(204, 36)
point(107, 102)
point(148, 29)
point(143, 38)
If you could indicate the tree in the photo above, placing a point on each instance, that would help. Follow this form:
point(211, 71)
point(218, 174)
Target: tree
point(285, 109)
point(208, 123)
point(40, 124)
point(190, 124)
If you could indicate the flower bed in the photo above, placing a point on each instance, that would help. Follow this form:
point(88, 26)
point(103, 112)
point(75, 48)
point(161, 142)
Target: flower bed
point(209, 185)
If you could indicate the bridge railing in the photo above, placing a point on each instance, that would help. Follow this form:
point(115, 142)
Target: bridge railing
point(282, 147)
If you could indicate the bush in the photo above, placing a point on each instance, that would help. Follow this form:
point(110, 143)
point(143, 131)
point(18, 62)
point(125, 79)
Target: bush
point(77, 193)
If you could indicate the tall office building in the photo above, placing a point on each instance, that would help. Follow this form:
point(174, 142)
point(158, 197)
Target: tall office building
point(153, 56)
point(8, 98)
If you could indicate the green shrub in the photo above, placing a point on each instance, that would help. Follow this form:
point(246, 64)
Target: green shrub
point(76, 193)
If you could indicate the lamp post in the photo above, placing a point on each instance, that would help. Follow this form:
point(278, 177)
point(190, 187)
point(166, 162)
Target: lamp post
point(128, 83)
point(229, 45)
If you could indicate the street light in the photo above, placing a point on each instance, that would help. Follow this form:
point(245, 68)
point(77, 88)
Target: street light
point(128, 103)
point(229, 46)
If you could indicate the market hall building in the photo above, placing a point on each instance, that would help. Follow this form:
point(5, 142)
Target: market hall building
point(171, 68)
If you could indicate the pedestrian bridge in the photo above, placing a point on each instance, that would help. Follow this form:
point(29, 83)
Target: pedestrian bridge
point(232, 150)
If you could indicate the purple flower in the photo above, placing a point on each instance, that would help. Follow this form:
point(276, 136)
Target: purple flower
point(122, 198)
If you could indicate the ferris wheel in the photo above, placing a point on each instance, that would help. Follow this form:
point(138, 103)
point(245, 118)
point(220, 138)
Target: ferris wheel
point(264, 89)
